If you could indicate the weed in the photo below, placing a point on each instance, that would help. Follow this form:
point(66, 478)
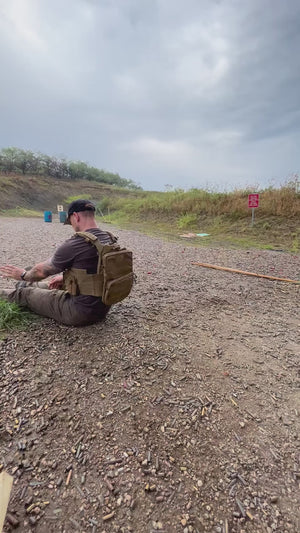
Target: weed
point(187, 221)
point(266, 225)
point(12, 316)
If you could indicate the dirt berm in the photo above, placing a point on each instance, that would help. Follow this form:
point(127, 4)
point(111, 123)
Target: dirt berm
point(43, 194)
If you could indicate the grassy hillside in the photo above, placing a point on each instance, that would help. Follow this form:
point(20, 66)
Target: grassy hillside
point(224, 216)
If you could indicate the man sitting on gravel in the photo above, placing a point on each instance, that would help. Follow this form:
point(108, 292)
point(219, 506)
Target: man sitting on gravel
point(78, 260)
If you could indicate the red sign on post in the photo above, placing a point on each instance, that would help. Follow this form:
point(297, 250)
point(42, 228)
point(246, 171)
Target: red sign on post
point(253, 200)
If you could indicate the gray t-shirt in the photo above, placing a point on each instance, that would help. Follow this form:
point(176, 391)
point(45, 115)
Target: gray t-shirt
point(76, 252)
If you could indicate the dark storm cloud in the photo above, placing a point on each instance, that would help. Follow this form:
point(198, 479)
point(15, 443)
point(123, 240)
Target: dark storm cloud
point(189, 93)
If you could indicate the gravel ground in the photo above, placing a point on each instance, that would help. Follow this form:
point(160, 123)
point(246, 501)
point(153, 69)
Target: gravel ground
point(179, 413)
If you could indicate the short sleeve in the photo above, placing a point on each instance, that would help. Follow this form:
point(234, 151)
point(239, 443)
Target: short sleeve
point(64, 256)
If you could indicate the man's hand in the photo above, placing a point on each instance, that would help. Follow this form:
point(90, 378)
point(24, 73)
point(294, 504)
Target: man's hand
point(56, 282)
point(9, 271)
point(36, 273)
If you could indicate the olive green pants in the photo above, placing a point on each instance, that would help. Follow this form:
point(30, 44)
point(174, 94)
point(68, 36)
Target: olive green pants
point(54, 303)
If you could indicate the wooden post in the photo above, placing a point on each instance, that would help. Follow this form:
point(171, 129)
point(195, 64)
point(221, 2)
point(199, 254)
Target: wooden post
point(6, 482)
point(227, 269)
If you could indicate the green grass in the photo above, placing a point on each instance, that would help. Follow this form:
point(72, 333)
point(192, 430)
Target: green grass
point(225, 216)
point(270, 233)
point(71, 199)
point(283, 202)
point(21, 212)
point(187, 221)
point(13, 317)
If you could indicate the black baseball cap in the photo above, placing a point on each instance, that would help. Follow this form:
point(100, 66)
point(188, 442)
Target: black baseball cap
point(79, 205)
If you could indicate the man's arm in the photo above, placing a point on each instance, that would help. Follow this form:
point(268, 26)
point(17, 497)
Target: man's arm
point(36, 273)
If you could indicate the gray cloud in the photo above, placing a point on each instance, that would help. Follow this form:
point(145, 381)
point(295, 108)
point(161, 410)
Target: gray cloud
point(195, 93)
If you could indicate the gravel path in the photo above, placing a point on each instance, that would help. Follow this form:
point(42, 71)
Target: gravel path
point(180, 413)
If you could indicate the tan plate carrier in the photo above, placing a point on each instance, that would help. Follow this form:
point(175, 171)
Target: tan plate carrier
point(114, 278)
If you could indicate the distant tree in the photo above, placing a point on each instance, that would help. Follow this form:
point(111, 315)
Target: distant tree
point(63, 169)
point(132, 185)
point(24, 162)
point(9, 159)
point(33, 165)
point(93, 174)
point(78, 170)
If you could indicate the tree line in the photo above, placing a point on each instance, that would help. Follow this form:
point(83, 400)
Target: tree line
point(18, 161)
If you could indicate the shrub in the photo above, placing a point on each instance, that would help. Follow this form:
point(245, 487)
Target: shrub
point(189, 220)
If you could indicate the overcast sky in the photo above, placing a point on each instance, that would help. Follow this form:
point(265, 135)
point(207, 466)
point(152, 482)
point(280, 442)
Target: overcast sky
point(190, 93)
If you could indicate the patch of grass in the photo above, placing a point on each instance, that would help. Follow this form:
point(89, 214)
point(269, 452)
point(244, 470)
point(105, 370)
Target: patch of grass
point(282, 203)
point(21, 212)
point(118, 218)
point(14, 317)
point(274, 233)
point(187, 221)
point(295, 248)
point(78, 197)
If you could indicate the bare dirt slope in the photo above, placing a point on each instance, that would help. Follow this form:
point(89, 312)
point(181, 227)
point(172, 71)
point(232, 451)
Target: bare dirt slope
point(42, 193)
point(180, 413)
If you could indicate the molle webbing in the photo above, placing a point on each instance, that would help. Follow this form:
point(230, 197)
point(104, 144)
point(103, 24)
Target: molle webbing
point(101, 248)
point(77, 281)
point(114, 278)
